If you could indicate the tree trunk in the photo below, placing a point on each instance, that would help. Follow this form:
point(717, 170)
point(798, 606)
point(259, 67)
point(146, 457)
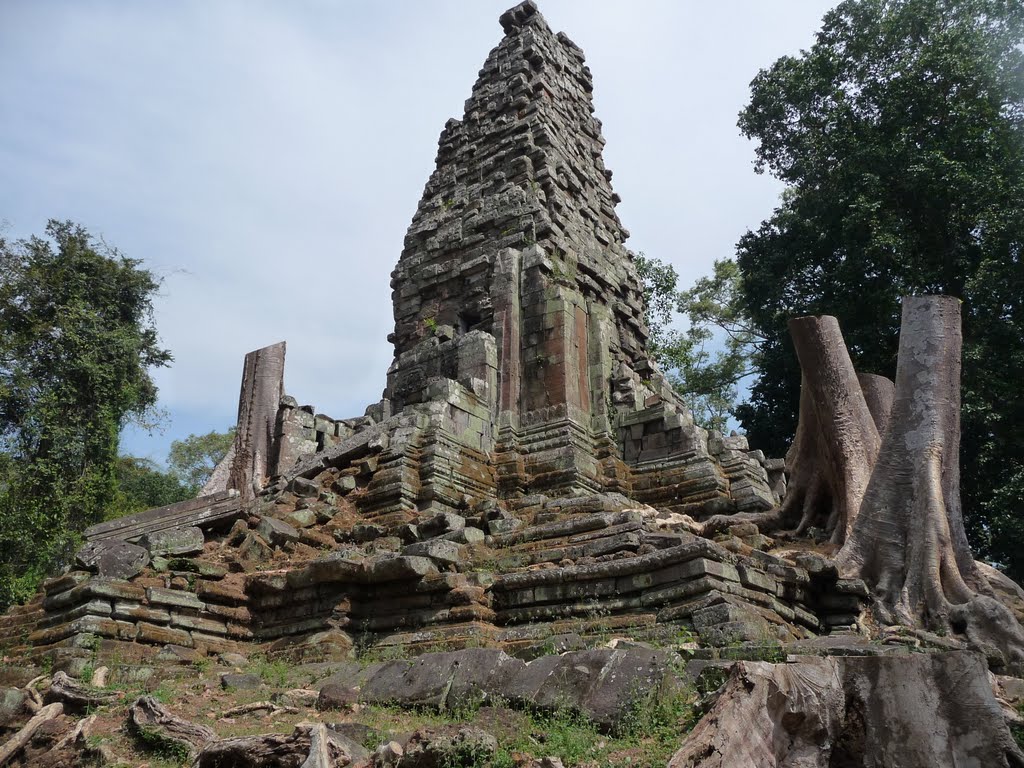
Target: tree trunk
point(76, 695)
point(836, 443)
point(841, 711)
point(908, 542)
point(308, 746)
point(150, 720)
point(18, 741)
point(847, 438)
point(807, 490)
point(878, 394)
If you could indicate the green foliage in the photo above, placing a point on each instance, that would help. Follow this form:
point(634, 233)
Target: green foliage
point(705, 362)
point(192, 460)
point(166, 748)
point(142, 485)
point(76, 345)
point(900, 135)
point(273, 673)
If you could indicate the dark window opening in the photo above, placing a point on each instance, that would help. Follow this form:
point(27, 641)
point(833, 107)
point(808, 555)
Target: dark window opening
point(467, 322)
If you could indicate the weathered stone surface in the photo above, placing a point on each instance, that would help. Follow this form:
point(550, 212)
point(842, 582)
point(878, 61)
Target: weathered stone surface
point(174, 598)
point(336, 696)
point(240, 681)
point(254, 548)
point(277, 532)
point(302, 518)
point(113, 558)
point(304, 487)
point(467, 535)
point(397, 568)
point(12, 705)
point(175, 541)
point(443, 680)
point(453, 745)
point(203, 512)
point(155, 634)
point(440, 550)
point(600, 683)
point(441, 523)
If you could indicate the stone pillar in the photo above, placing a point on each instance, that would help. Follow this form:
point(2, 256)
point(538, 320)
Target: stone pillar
point(261, 391)
point(507, 333)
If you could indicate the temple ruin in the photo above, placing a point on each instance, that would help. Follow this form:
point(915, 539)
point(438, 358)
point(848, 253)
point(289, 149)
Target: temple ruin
point(528, 483)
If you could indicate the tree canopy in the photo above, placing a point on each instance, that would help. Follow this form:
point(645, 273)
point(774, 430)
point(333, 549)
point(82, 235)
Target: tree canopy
point(193, 459)
point(707, 360)
point(77, 343)
point(900, 136)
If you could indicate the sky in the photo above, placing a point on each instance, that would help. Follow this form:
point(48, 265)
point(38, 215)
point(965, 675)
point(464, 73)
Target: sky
point(265, 158)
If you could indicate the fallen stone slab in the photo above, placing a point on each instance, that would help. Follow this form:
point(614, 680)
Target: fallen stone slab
point(603, 683)
point(233, 681)
point(113, 558)
point(174, 541)
point(204, 512)
point(443, 680)
point(12, 705)
point(439, 550)
point(277, 532)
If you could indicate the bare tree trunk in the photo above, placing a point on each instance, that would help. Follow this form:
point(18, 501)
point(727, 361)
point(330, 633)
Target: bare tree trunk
point(147, 716)
point(847, 438)
point(841, 711)
point(806, 494)
point(807, 491)
point(908, 541)
point(878, 394)
point(22, 737)
point(836, 442)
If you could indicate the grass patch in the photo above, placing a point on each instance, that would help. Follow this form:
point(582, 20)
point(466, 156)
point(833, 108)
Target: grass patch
point(273, 673)
point(652, 730)
point(164, 748)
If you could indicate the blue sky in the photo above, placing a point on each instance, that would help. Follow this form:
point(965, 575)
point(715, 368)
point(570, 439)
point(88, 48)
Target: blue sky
point(265, 158)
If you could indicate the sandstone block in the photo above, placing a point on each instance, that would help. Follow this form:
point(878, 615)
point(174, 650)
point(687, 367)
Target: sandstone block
point(136, 612)
point(277, 532)
point(439, 550)
point(234, 681)
point(174, 598)
point(174, 541)
point(157, 635)
point(113, 558)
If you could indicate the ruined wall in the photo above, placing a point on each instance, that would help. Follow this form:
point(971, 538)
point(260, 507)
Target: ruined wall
point(521, 409)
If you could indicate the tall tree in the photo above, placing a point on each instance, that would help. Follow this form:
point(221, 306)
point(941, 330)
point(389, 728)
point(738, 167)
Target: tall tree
point(193, 459)
point(706, 361)
point(142, 485)
point(900, 136)
point(77, 342)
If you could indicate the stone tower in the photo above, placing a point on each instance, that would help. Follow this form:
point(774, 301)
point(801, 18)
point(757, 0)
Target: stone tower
point(520, 361)
point(515, 283)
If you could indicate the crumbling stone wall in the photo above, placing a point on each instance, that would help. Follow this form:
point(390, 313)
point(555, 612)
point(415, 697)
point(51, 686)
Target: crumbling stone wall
point(521, 411)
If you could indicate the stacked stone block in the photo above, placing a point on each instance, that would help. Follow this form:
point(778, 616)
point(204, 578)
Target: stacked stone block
point(80, 604)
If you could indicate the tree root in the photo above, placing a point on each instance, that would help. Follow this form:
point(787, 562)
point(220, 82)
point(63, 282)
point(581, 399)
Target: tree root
point(908, 540)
